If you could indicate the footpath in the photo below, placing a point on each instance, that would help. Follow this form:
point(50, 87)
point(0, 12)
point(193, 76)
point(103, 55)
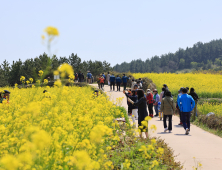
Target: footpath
point(204, 146)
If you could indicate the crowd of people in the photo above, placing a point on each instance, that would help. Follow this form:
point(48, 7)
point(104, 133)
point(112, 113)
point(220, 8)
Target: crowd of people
point(162, 103)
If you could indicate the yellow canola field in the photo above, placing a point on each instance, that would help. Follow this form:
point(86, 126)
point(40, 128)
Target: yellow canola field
point(206, 108)
point(206, 85)
point(64, 128)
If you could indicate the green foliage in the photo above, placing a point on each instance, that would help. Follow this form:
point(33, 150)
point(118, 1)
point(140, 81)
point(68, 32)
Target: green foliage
point(200, 56)
point(123, 110)
point(212, 121)
point(10, 74)
point(128, 149)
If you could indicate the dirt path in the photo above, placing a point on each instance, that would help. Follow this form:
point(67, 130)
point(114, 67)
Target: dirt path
point(205, 147)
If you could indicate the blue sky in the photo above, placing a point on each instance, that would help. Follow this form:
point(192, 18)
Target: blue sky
point(110, 30)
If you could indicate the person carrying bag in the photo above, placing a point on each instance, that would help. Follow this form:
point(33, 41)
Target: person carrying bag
point(168, 108)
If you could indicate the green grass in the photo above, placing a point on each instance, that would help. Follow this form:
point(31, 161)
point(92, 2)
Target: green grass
point(206, 128)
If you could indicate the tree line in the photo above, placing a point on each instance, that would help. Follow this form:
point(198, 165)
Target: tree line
point(202, 56)
point(11, 73)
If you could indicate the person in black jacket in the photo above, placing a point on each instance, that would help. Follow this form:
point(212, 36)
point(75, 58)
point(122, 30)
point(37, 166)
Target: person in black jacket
point(166, 90)
point(142, 111)
point(133, 108)
point(80, 76)
point(195, 97)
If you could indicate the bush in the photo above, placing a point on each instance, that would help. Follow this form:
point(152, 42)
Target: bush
point(212, 121)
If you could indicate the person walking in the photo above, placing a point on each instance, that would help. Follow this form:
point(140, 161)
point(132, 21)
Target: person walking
point(124, 79)
point(166, 90)
point(108, 78)
point(149, 99)
point(195, 97)
point(156, 99)
point(76, 77)
point(134, 108)
point(98, 81)
point(142, 111)
point(186, 104)
point(89, 77)
point(112, 82)
point(118, 82)
point(80, 76)
point(104, 79)
point(180, 94)
point(161, 94)
point(101, 80)
point(133, 84)
point(168, 108)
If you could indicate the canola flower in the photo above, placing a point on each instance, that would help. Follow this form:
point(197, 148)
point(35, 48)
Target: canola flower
point(61, 128)
point(206, 85)
point(206, 108)
point(51, 31)
point(40, 73)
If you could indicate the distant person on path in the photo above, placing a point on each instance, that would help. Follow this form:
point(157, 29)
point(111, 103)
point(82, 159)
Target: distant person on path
point(83, 77)
point(124, 79)
point(76, 77)
point(156, 99)
point(118, 82)
point(112, 82)
point(168, 108)
point(108, 78)
point(142, 111)
point(98, 81)
point(180, 94)
point(80, 76)
point(102, 80)
point(134, 108)
point(133, 84)
point(140, 86)
point(195, 97)
point(186, 104)
point(161, 94)
point(89, 77)
point(149, 99)
point(166, 90)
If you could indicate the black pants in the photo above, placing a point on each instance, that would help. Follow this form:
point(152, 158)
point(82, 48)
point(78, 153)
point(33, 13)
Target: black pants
point(186, 119)
point(102, 85)
point(112, 84)
point(118, 86)
point(150, 108)
point(170, 121)
point(180, 116)
point(124, 84)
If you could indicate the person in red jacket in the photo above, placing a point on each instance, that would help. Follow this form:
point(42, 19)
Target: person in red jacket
point(149, 100)
point(102, 80)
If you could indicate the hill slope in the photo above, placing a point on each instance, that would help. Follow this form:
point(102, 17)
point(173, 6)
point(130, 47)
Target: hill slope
point(201, 55)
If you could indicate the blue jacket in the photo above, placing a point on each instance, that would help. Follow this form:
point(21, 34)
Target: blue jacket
point(124, 78)
point(186, 103)
point(112, 78)
point(118, 80)
point(104, 76)
point(89, 75)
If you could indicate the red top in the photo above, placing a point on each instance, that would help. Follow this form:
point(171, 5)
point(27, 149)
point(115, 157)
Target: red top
point(101, 80)
point(149, 98)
